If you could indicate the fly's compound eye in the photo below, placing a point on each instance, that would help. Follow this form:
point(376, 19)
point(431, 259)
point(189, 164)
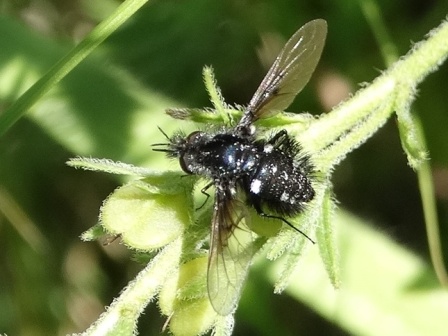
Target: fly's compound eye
point(188, 159)
point(194, 137)
point(183, 164)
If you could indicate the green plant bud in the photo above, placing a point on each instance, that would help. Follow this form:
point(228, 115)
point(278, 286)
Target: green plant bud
point(265, 227)
point(186, 284)
point(194, 317)
point(145, 220)
point(184, 297)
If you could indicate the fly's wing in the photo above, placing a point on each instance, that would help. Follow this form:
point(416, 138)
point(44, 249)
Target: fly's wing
point(290, 72)
point(231, 252)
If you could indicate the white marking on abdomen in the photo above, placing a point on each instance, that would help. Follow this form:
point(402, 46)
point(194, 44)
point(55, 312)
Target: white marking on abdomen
point(255, 186)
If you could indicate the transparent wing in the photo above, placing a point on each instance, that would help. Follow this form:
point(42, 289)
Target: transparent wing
point(231, 252)
point(290, 72)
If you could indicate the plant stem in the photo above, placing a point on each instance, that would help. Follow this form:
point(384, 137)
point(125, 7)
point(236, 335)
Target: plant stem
point(411, 133)
point(328, 130)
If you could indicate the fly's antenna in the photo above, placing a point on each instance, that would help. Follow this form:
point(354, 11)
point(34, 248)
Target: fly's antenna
point(167, 150)
point(164, 134)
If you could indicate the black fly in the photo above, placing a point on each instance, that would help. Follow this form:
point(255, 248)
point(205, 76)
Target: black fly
point(271, 175)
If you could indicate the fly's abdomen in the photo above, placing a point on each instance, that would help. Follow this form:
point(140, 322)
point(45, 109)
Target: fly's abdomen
point(280, 185)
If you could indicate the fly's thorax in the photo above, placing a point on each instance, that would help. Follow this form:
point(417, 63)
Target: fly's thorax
point(219, 156)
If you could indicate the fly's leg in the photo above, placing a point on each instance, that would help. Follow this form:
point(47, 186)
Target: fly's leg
point(263, 214)
point(207, 195)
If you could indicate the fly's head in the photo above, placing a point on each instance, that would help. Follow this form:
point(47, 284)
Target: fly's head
point(187, 148)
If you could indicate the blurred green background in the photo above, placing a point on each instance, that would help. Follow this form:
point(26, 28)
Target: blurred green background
point(109, 107)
